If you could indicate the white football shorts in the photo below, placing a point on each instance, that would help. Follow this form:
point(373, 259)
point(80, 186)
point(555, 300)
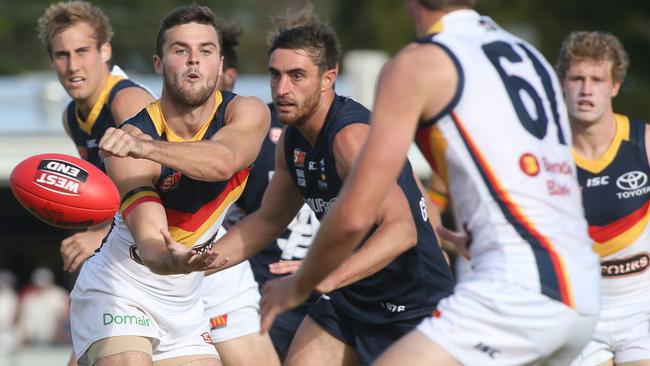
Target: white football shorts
point(493, 322)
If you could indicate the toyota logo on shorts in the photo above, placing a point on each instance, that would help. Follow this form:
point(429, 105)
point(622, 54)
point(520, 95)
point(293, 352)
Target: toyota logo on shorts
point(632, 180)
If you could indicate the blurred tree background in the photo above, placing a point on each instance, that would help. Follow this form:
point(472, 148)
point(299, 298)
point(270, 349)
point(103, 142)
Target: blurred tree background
point(367, 24)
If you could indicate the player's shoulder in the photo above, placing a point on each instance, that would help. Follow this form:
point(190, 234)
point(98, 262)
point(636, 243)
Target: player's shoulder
point(247, 106)
point(242, 101)
point(416, 58)
point(348, 110)
point(126, 90)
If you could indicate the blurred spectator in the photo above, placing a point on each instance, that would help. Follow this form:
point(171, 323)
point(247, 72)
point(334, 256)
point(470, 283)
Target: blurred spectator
point(43, 315)
point(8, 309)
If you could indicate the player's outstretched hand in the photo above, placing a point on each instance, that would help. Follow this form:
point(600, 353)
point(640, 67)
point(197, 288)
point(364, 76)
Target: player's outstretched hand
point(279, 296)
point(284, 267)
point(189, 260)
point(117, 142)
point(457, 239)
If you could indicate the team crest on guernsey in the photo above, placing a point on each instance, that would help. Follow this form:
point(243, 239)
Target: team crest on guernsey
point(170, 182)
point(529, 164)
point(299, 157)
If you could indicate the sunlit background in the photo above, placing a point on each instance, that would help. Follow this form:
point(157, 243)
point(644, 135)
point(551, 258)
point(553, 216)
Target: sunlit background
point(31, 99)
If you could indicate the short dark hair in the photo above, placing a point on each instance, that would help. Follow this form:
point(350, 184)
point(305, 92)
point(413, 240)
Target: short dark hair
point(184, 15)
point(306, 32)
point(443, 4)
point(230, 34)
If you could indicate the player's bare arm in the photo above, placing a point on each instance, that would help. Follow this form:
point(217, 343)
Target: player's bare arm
point(128, 102)
point(76, 248)
point(280, 204)
point(231, 149)
point(146, 220)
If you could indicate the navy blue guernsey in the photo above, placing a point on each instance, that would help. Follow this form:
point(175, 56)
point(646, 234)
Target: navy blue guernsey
point(86, 131)
point(412, 284)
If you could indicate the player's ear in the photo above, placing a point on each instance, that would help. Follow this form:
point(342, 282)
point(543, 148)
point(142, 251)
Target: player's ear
point(157, 64)
point(615, 88)
point(329, 78)
point(106, 52)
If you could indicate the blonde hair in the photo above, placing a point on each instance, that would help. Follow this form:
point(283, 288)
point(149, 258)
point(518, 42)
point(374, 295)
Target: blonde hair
point(598, 46)
point(60, 16)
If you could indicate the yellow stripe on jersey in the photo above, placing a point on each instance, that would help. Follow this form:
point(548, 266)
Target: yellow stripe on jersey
point(435, 149)
point(87, 125)
point(598, 165)
point(436, 27)
point(156, 114)
point(190, 238)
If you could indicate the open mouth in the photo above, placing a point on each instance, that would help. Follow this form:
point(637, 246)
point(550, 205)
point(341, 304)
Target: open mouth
point(192, 76)
point(75, 80)
point(585, 104)
point(284, 104)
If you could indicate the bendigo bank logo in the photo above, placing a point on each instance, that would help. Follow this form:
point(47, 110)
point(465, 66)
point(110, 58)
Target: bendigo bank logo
point(529, 164)
point(60, 177)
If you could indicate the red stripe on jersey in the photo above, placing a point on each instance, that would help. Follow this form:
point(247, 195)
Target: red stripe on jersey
point(191, 222)
point(423, 140)
point(608, 232)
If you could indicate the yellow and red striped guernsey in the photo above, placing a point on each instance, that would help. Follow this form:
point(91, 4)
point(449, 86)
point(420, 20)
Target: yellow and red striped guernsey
point(188, 227)
point(194, 209)
point(617, 210)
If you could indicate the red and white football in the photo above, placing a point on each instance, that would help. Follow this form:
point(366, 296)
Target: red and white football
point(64, 191)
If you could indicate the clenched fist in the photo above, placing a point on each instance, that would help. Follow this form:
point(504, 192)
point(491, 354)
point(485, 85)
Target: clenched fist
point(119, 142)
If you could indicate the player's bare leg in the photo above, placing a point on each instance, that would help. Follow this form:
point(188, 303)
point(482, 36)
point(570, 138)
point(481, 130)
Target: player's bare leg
point(313, 345)
point(250, 350)
point(129, 358)
point(633, 363)
point(415, 349)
